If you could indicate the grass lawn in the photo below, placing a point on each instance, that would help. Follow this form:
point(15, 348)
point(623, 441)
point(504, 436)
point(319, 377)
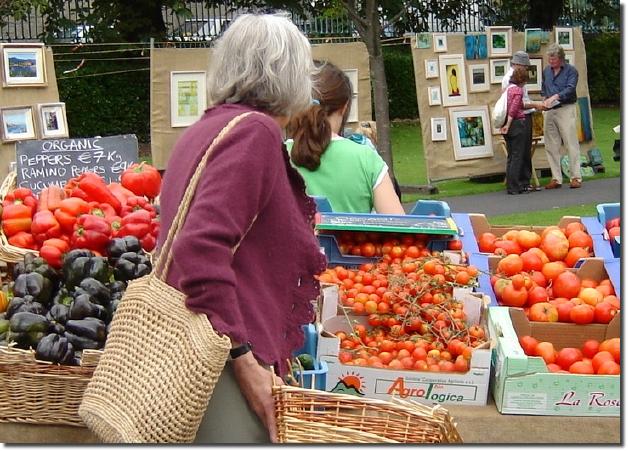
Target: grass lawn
point(545, 217)
point(409, 161)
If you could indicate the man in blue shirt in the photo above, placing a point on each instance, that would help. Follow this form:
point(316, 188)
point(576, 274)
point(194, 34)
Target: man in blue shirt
point(559, 94)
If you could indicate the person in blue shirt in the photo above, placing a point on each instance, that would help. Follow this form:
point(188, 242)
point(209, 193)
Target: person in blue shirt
point(559, 97)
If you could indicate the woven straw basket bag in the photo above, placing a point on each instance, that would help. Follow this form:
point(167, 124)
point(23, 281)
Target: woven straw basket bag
point(161, 361)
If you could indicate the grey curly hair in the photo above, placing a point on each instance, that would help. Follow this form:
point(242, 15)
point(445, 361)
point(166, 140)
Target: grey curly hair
point(555, 50)
point(263, 61)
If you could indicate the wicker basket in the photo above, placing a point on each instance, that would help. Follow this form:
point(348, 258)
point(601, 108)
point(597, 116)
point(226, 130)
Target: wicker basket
point(38, 392)
point(313, 416)
point(8, 252)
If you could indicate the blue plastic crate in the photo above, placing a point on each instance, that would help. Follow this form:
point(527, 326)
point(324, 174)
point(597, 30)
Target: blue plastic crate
point(310, 342)
point(322, 204)
point(313, 379)
point(431, 207)
point(606, 212)
point(335, 257)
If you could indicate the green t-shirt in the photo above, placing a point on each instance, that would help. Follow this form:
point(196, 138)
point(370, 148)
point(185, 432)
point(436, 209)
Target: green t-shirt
point(347, 175)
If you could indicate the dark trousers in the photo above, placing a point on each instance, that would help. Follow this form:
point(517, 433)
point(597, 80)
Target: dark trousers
point(526, 170)
point(517, 143)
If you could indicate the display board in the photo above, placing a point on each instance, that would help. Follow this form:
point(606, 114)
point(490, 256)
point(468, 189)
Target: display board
point(471, 147)
point(177, 100)
point(19, 95)
point(41, 163)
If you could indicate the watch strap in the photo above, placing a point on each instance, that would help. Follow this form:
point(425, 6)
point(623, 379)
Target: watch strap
point(240, 350)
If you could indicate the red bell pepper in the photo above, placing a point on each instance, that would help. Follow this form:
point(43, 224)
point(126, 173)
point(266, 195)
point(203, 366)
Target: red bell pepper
point(53, 250)
point(136, 203)
point(50, 198)
point(120, 192)
point(103, 210)
point(24, 240)
point(137, 223)
point(143, 179)
point(21, 196)
point(68, 212)
point(91, 232)
point(16, 218)
point(116, 223)
point(96, 189)
point(45, 226)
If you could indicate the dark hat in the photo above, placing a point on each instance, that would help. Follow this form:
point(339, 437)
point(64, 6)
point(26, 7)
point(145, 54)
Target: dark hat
point(520, 57)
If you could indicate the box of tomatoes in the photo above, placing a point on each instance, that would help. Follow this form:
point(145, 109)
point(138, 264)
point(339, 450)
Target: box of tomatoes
point(424, 367)
point(544, 368)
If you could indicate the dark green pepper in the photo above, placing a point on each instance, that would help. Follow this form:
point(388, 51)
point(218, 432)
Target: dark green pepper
point(55, 348)
point(4, 328)
point(26, 329)
point(33, 284)
point(82, 307)
point(81, 343)
point(91, 328)
point(24, 304)
point(117, 288)
point(132, 265)
point(33, 263)
point(58, 313)
point(97, 290)
point(113, 306)
point(63, 297)
point(84, 267)
point(121, 245)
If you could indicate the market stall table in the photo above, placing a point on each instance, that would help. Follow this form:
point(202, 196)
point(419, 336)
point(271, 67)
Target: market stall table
point(475, 424)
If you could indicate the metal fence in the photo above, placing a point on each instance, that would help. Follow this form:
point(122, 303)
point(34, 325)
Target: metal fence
point(205, 23)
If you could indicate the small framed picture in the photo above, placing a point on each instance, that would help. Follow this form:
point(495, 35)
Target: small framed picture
point(570, 58)
point(439, 129)
point(423, 40)
point(440, 42)
point(564, 37)
point(453, 79)
point(52, 120)
point(17, 123)
point(535, 75)
point(475, 47)
point(499, 67)
point(471, 132)
point(533, 40)
point(431, 69)
point(478, 78)
point(23, 65)
point(499, 41)
point(188, 97)
point(433, 93)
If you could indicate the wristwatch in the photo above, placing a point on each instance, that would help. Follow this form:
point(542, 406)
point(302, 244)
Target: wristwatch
point(234, 353)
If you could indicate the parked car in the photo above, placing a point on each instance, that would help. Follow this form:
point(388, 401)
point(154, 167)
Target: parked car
point(200, 29)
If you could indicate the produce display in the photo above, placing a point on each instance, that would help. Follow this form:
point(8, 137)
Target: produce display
point(84, 214)
point(415, 322)
point(61, 312)
point(613, 227)
point(553, 244)
point(592, 358)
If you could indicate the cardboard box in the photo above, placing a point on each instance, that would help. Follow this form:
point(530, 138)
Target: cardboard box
point(475, 224)
point(523, 385)
point(431, 388)
point(587, 268)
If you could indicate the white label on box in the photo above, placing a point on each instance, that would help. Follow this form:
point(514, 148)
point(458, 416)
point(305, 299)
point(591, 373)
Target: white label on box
point(526, 401)
point(425, 391)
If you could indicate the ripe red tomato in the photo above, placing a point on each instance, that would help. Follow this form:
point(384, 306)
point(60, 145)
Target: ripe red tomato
point(582, 314)
point(544, 312)
point(454, 245)
point(528, 344)
point(604, 312)
point(590, 348)
point(609, 367)
point(486, 243)
point(564, 311)
point(600, 358)
point(566, 285)
point(546, 351)
point(367, 250)
point(568, 356)
point(536, 295)
point(613, 346)
point(512, 297)
point(581, 367)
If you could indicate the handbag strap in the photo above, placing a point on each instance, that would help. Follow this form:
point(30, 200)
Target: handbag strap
point(165, 256)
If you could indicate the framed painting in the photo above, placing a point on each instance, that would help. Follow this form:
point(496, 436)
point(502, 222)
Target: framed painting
point(433, 95)
point(439, 128)
point(478, 78)
point(471, 132)
point(545, 37)
point(52, 120)
point(188, 97)
point(17, 123)
point(440, 42)
point(570, 58)
point(431, 69)
point(453, 81)
point(564, 37)
point(498, 69)
point(535, 75)
point(353, 78)
point(475, 47)
point(533, 40)
point(583, 122)
point(423, 40)
point(23, 65)
point(499, 41)
point(538, 126)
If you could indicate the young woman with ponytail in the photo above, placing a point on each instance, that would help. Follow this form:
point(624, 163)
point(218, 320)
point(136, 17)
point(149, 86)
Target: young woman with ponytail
point(352, 176)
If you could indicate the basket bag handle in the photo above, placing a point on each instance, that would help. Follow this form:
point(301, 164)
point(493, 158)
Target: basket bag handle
point(165, 256)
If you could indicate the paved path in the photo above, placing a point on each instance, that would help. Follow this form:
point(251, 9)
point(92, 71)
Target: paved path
point(500, 203)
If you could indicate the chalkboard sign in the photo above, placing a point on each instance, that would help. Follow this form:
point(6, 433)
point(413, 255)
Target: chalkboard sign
point(41, 163)
point(388, 223)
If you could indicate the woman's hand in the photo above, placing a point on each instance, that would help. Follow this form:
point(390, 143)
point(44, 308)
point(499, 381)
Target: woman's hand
point(256, 385)
point(504, 130)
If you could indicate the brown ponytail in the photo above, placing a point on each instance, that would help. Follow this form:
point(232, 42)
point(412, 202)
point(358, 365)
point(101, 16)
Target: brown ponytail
point(310, 129)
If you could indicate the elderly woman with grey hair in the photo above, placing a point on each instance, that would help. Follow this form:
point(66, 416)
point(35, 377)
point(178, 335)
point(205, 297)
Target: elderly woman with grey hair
point(559, 97)
point(246, 256)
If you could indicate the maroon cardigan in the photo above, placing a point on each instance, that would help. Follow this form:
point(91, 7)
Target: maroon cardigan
point(262, 293)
